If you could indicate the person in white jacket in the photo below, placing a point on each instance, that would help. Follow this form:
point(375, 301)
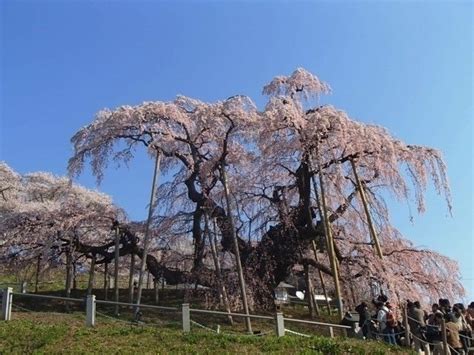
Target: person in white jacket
point(382, 323)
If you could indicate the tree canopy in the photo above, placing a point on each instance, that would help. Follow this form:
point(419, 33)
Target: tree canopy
point(274, 158)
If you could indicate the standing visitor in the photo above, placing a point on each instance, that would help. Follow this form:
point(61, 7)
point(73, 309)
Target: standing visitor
point(382, 323)
point(416, 321)
point(452, 333)
point(364, 319)
point(470, 314)
point(465, 331)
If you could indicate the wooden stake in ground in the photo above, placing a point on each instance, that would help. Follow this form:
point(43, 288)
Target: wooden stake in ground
point(147, 231)
point(236, 250)
point(116, 270)
point(361, 189)
point(330, 242)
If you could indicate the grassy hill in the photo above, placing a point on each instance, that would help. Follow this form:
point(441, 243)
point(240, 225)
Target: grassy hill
point(48, 326)
point(40, 332)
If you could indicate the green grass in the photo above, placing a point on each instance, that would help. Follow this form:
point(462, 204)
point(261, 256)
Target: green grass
point(45, 333)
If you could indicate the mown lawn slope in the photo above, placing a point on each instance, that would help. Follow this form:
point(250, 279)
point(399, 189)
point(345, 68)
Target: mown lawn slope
point(66, 333)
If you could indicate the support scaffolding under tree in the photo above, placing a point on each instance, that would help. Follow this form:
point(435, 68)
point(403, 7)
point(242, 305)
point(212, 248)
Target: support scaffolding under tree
point(330, 242)
point(373, 233)
point(243, 289)
point(147, 231)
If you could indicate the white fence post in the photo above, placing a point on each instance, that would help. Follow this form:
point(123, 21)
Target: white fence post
point(186, 318)
point(90, 311)
point(331, 332)
point(7, 299)
point(280, 324)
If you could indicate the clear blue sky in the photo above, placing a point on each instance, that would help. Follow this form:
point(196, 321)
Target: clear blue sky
point(404, 65)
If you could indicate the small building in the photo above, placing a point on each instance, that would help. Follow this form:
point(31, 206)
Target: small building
point(282, 293)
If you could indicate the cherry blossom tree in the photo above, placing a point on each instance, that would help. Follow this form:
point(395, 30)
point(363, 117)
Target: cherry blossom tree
point(44, 217)
point(275, 160)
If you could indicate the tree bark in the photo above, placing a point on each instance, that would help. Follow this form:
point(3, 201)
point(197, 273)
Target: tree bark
point(90, 285)
point(157, 289)
point(68, 272)
point(130, 279)
point(106, 280)
point(312, 305)
point(74, 275)
point(38, 269)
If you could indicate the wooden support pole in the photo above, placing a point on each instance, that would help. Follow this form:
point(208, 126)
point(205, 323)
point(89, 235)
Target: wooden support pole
point(116, 269)
point(236, 250)
point(373, 234)
point(217, 266)
point(321, 278)
point(147, 231)
point(315, 251)
point(330, 242)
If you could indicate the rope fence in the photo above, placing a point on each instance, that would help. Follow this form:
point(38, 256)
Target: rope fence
point(297, 333)
point(443, 342)
point(204, 327)
point(90, 304)
point(185, 311)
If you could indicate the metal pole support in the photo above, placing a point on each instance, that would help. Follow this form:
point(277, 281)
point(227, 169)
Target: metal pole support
point(280, 324)
point(90, 311)
point(186, 318)
point(7, 299)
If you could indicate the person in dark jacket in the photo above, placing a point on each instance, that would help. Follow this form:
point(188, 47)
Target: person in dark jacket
point(364, 319)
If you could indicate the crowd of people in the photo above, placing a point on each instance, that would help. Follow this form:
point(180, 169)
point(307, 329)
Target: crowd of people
point(383, 320)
